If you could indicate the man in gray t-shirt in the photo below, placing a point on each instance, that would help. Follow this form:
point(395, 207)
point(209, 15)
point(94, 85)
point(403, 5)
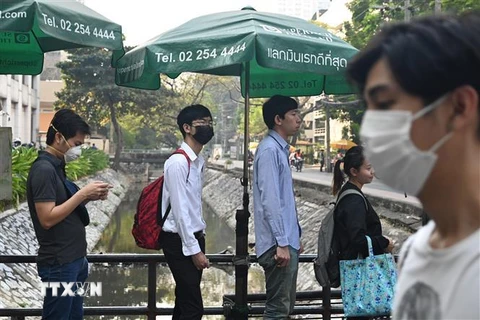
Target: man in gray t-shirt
point(59, 216)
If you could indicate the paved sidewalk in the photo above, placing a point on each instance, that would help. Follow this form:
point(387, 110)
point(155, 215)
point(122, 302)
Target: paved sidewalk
point(312, 174)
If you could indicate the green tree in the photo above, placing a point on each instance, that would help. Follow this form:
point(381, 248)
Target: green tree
point(135, 134)
point(368, 16)
point(187, 89)
point(256, 125)
point(91, 91)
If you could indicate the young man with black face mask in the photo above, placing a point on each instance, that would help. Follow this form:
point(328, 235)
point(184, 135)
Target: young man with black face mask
point(59, 217)
point(421, 132)
point(183, 238)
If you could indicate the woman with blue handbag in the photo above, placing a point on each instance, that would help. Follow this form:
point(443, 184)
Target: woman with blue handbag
point(355, 218)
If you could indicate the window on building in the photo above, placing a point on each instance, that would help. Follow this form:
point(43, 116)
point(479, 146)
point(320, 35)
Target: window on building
point(318, 113)
point(16, 120)
point(319, 123)
point(33, 79)
point(320, 140)
point(4, 116)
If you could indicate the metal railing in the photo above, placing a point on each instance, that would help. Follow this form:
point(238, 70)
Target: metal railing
point(149, 151)
point(323, 306)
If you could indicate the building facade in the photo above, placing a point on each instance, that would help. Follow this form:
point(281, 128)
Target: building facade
point(48, 89)
point(20, 106)
point(315, 124)
point(304, 9)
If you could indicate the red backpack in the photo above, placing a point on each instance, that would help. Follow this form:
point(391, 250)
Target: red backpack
point(148, 222)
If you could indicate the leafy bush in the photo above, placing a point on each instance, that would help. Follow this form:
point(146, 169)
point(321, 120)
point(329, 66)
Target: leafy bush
point(89, 162)
point(22, 159)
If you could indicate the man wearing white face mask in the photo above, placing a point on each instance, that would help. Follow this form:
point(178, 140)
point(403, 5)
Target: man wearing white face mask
point(421, 83)
point(59, 216)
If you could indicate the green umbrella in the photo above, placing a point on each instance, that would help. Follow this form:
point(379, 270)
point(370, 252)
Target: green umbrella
point(287, 55)
point(28, 28)
point(272, 53)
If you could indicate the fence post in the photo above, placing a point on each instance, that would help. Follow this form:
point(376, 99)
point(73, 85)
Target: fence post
point(326, 302)
point(152, 290)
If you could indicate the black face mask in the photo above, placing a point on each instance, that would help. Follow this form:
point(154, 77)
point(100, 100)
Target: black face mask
point(203, 134)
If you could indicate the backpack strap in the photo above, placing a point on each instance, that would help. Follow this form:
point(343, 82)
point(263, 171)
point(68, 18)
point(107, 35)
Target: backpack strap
point(348, 192)
point(178, 151)
point(49, 160)
point(181, 151)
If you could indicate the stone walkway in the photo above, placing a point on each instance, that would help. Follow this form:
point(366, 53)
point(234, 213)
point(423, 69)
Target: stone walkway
point(312, 174)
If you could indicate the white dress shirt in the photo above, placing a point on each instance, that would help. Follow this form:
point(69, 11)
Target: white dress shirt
point(185, 217)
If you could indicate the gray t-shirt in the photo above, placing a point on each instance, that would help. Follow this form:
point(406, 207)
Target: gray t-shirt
point(438, 283)
point(64, 242)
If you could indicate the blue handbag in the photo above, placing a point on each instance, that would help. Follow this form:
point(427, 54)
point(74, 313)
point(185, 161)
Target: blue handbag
point(368, 284)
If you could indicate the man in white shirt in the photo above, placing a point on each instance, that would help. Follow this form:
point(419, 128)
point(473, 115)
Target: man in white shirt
point(421, 132)
point(183, 239)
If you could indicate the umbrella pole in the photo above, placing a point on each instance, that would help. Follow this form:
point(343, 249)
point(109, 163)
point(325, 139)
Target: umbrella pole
point(241, 260)
point(329, 156)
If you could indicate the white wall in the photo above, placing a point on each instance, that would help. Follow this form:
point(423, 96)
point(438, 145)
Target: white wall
point(20, 105)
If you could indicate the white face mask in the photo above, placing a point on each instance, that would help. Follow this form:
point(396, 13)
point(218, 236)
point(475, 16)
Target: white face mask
point(397, 161)
point(73, 154)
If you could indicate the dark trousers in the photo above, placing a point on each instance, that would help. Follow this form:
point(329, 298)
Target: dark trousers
point(58, 307)
point(188, 296)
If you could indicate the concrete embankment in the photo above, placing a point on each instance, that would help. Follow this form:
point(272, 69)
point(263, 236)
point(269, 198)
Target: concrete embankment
point(223, 193)
point(19, 283)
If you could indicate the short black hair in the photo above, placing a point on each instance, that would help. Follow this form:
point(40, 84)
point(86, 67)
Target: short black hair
point(68, 123)
point(277, 105)
point(428, 57)
point(191, 113)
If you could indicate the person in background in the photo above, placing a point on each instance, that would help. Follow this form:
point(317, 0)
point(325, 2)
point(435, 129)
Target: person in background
point(421, 131)
point(352, 219)
point(291, 159)
point(183, 236)
point(59, 217)
point(17, 143)
point(298, 157)
point(94, 147)
point(277, 231)
point(322, 160)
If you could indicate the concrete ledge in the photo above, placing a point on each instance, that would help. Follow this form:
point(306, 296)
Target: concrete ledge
point(404, 213)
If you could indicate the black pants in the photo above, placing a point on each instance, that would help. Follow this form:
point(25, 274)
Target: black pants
point(188, 297)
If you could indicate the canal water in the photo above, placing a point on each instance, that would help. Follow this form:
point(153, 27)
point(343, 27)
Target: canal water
point(126, 284)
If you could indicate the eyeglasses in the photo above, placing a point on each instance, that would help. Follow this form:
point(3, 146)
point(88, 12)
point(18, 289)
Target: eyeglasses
point(203, 123)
